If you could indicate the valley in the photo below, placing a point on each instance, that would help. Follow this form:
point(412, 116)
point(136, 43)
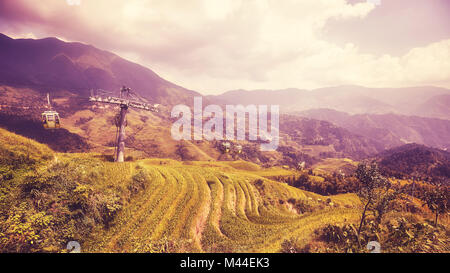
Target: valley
point(184, 196)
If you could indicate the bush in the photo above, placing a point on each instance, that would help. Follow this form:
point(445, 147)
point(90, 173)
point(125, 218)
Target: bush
point(23, 230)
point(110, 205)
point(301, 206)
point(139, 181)
point(290, 246)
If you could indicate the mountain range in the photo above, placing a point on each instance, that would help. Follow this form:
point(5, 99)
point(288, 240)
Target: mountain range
point(390, 129)
point(424, 101)
point(51, 65)
point(346, 121)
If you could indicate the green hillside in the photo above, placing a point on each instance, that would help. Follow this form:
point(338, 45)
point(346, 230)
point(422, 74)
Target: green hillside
point(152, 205)
point(20, 152)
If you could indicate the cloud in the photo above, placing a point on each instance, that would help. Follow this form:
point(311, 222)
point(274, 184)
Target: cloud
point(216, 45)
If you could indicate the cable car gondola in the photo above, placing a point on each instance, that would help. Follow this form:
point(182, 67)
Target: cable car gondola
point(226, 147)
point(50, 118)
point(238, 148)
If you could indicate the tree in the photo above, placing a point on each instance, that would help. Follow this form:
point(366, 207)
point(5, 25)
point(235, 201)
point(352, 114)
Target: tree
point(302, 180)
point(382, 205)
point(374, 191)
point(437, 200)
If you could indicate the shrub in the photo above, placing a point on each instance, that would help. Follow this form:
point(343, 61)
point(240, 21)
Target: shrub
point(23, 230)
point(139, 181)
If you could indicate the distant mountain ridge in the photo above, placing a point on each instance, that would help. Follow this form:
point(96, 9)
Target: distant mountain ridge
point(50, 65)
point(325, 139)
point(420, 101)
point(437, 106)
point(390, 129)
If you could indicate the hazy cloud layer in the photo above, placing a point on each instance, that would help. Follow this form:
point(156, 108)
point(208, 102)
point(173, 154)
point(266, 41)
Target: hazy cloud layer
point(217, 45)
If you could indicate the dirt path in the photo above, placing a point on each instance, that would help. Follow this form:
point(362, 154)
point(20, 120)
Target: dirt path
point(202, 216)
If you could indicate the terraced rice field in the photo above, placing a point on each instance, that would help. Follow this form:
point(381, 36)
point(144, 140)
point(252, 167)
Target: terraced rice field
point(215, 209)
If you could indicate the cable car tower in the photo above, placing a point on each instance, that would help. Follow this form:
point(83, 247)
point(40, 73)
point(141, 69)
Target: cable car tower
point(126, 99)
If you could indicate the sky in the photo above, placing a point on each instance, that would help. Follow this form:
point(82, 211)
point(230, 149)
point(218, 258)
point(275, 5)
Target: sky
point(212, 46)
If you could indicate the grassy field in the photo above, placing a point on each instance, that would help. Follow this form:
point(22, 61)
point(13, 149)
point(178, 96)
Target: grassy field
point(330, 165)
point(215, 210)
point(164, 205)
point(152, 205)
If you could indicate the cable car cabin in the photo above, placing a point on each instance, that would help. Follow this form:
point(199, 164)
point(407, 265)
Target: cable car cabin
point(50, 120)
point(238, 149)
point(226, 147)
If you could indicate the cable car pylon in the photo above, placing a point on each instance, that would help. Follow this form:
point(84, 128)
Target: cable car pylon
point(126, 99)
